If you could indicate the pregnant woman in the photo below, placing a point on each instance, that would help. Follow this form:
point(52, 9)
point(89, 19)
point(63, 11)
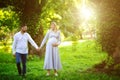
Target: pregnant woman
point(52, 59)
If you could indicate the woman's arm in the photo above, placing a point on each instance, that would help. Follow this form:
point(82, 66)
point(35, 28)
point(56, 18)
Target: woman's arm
point(32, 42)
point(45, 39)
point(59, 38)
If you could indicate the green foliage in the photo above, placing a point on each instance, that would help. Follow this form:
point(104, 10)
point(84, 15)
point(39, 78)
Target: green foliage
point(4, 37)
point(65, 14)
point(4, 33)
point(9, 22)
point(109, 62)
point(8, 19)
point(39, 16)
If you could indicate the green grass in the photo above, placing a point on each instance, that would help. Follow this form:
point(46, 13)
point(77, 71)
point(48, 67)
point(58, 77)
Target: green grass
point(76, 59)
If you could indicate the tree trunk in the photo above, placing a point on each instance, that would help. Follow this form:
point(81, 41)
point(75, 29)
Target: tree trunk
point(29, 12)
point(116, 55)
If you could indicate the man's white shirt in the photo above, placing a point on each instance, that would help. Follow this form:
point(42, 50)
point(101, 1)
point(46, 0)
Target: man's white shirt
point(20, 43)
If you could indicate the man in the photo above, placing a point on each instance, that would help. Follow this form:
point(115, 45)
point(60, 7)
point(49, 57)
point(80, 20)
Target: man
point(20, 48)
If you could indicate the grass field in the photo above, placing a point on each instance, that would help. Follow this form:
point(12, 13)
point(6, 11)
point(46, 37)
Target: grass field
point(76, 59)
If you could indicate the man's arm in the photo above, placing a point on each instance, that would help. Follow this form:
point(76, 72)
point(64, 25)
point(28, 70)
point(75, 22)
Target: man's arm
point(14, 45)
point(32, 42)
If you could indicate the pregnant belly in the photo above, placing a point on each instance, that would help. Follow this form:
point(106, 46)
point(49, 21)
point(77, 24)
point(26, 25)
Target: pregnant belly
point(52, 40)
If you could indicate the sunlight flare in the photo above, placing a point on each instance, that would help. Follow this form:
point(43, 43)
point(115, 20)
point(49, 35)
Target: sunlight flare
point(86, 12)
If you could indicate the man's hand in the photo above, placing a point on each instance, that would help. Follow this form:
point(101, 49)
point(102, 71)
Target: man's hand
point(14, 55)
point(38, 49)
point(54, 45)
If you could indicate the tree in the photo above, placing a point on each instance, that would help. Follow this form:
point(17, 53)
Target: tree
point(29, 13)
point(109, 32)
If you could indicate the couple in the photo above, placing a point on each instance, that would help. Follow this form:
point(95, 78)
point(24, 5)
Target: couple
point(20, 49)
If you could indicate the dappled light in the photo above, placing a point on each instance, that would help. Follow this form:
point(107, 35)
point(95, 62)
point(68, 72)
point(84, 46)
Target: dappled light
point(80, 36)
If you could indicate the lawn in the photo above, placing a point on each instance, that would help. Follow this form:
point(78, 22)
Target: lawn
point(76, 59)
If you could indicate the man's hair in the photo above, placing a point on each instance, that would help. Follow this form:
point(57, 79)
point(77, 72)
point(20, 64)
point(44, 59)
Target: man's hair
point(22, 25)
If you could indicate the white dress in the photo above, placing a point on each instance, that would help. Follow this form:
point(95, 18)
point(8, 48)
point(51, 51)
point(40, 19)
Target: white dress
point(52, 59)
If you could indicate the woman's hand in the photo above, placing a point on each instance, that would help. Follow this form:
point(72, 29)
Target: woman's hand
point(55, 45)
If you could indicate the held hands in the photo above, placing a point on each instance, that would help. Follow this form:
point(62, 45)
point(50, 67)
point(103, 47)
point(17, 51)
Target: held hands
point(55, 45)
point(38, 49)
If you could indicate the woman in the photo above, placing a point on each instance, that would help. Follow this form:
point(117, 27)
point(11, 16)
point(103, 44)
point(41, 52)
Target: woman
point(52, 59)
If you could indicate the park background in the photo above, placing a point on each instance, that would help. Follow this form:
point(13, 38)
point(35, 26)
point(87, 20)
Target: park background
point(90, 33)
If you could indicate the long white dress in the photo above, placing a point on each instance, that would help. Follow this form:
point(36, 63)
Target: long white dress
point(52, 59)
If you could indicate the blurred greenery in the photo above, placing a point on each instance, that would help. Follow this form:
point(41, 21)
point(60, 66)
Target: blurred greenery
point(75, 64)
